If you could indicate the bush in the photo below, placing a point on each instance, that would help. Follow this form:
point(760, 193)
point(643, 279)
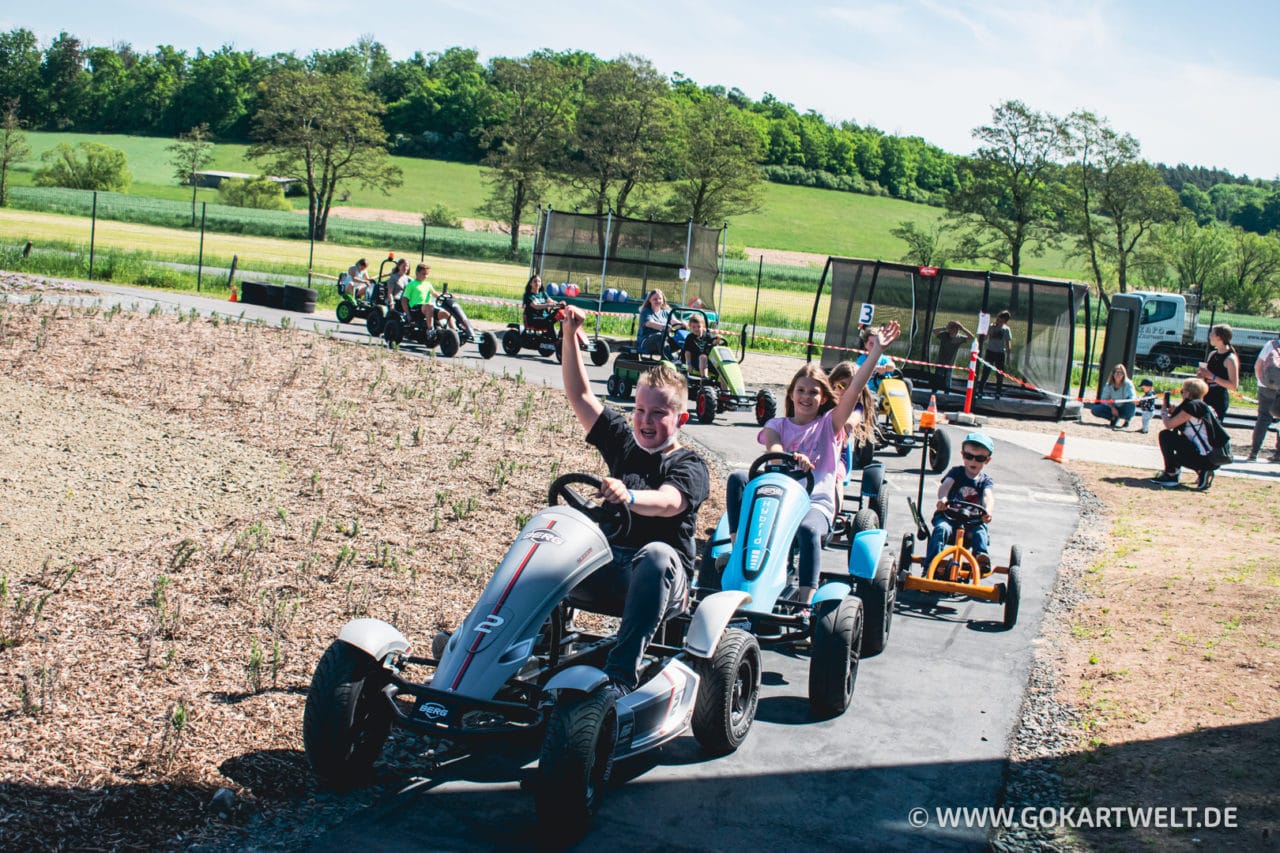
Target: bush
point(441, 216)
point(259, 193)
point(87, 166)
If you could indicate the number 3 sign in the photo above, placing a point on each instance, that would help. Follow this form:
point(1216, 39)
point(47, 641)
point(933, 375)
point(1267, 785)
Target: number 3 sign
point(867, 314)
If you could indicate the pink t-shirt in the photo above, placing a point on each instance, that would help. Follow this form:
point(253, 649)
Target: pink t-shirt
point(817, 440)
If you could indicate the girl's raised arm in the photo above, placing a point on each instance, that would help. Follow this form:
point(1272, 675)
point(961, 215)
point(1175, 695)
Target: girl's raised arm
point(876, 344)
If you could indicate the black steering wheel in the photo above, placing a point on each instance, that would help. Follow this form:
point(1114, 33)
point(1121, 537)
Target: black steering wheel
point(781, 463)
point(614, 520)
point(965, 511)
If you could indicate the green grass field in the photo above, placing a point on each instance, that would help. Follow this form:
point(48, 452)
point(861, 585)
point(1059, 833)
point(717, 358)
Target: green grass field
point(803, 219)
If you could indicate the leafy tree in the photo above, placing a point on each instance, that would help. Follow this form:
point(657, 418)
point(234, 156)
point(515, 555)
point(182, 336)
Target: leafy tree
point(924, 246)
point(106, 83)
point(324, 129)
point(20, 70)
point(1195, 252)
point(149, 90)
point(87, 166)
point(619, 141)
point(1249, 282)
point(261, 193)
point(1197, 201)
point(64, 83)
point(535, 102)
point(443, 114)
point(192, 152)
point(13, 146)
point(1004, 198)
point(716, 156)
point(219, 90)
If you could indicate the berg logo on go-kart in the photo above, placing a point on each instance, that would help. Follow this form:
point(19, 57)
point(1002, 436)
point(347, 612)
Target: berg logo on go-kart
point(769, 492)
point(546, 537)
point(433, 711)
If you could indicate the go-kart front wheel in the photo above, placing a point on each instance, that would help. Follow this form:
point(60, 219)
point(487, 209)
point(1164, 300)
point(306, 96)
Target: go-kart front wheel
point(939, 452)
point(599, 352)
point(878, 596)
point(577, 758)
point(1012, 596)
point(511, 342)
point(346, 311)
point(346, 719)
point(728, 693)
point(449, 343)
point(708, 402)
point(488, 345)
point(766, 407)
point(375, 322)
point(833, 663)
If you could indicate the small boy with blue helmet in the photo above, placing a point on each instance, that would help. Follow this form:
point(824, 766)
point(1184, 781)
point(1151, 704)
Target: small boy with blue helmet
point(966, 482)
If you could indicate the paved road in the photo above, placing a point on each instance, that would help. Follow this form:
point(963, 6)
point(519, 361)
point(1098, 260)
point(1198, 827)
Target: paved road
point(929, 725)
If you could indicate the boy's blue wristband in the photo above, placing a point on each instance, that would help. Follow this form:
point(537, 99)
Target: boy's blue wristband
point(631, 498)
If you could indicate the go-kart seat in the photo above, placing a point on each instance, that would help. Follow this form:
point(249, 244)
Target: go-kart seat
point(538, 319)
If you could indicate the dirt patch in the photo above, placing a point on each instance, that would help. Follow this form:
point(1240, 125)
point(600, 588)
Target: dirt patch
point(404, 217)
point(783, 257)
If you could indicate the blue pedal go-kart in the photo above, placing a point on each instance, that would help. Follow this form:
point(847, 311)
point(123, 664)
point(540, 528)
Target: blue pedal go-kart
point(851, 611)
point(517, 668)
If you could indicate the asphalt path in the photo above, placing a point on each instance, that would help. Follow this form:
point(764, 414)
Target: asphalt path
point(928, 728)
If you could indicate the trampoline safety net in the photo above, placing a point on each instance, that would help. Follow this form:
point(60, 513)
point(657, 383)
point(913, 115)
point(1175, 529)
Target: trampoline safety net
point(1043, 316)
point(635, 255)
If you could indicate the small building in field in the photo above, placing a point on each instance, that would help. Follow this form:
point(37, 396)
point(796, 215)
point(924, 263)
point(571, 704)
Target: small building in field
point(213, 180)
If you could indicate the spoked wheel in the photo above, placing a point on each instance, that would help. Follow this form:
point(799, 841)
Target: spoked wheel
point(488, 345)
point(346, 720)
point(576, 761)
point(833, 664)
point(728, 693)
point(346, 311)
point(766, 407)
point(612, 386)
point(1012, 596)
point(878, 596)
point(511, 342)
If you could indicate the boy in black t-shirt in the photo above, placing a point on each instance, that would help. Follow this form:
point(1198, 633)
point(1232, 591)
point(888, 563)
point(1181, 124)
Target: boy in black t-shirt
point(697, 344)
point(967, 482)
point(663, 484)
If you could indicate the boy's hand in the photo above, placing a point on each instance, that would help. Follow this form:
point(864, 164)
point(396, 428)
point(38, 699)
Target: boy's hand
point(614, 491)
point(942, 506)
point(573, 318)
point(883, 337)
point(986, 518)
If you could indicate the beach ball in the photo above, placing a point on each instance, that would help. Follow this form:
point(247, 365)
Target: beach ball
point(623, 296)
point(611, 294)
point(571, 289)
point(553, 290)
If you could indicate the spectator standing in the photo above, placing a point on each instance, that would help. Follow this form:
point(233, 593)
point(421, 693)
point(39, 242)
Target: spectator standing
point(1266, 369)
point(950, 338)
point(1222, 371)
point(999, 342)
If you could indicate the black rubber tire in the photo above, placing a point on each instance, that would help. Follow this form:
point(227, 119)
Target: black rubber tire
point(375, 322)
point(511, 342)
point(864, 519)
point(449, 343)
point(253, 292)
point(878, 596)
point(559, 354)
point(880, 506)
point(346, 311)
point(599, 352)
point(488, 345)
point(273, 294)
point(576, 762)
point(728, 693)
point(709, 573)
point(864, 453)
point(1015, 555)
point(939, 452)
point(706, 405)
point(905, 552)
point(833, 660)
point(624, 389)
point(297, 298)
point(393, 330)
point(346, 720)
point(766, 407)
point(1012, 596)
point(611, 386)
point(902, 449)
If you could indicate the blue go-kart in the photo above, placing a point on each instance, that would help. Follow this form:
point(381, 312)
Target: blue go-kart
point(851, 611)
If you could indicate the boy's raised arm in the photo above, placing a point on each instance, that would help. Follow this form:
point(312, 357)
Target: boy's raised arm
point(573, 373)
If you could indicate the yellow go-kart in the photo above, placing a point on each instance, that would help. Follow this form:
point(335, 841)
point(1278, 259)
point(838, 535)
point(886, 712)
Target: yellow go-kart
point(896, 427)
point(958, 571)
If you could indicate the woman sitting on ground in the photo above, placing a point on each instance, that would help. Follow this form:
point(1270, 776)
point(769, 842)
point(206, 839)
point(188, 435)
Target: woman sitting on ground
point(1118, 399)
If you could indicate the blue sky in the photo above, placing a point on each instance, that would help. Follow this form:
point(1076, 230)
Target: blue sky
point(1194, 82)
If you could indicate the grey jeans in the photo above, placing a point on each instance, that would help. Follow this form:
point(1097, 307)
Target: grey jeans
point(1266, 399)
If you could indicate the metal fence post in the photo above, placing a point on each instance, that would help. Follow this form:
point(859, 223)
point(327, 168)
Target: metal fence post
point(93, 231)
point(756, 313)
point(200, 259)
point(311, 255)
point(422, 252)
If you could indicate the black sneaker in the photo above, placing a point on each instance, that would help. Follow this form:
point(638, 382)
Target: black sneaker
point(1204, 481)
point(619, 689)
point(1164, 478)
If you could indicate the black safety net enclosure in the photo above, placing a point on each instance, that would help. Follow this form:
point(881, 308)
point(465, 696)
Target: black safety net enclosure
point(1043, 322)
point(599, 253)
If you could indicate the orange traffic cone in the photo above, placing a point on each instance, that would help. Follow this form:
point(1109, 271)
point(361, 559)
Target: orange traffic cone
point(234, 298)
point(929, 417)
point(1060, 445)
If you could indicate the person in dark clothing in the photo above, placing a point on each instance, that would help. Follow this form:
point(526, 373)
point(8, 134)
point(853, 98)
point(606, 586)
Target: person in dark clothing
point(1184, 441)
point(1222, 371)
point(950, 338)
point(662, 482)
point(999, 341)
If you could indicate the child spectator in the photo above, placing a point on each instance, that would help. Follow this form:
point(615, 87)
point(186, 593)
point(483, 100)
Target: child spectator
point(662, 482)
point(967, 482)
point(950, 338)
point(1146, 405)
point(813, 432)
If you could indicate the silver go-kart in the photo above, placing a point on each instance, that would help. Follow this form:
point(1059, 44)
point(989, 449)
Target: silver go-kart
point(517, 664)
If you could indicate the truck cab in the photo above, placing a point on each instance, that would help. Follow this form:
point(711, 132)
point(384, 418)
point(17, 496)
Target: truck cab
point(1169, 334)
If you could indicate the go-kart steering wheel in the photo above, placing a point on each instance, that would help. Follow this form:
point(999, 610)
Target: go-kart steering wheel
point(782, 463)
point(614, 520)
point(965, 511)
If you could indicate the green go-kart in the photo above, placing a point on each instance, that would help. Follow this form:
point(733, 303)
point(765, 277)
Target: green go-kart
point(721, 389)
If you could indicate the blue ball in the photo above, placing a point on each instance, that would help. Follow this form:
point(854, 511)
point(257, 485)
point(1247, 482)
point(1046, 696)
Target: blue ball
point(553, 290)
point(623, 296)
point(611, 294)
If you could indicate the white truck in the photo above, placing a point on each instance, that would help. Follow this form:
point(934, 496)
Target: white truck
point(1169, 336)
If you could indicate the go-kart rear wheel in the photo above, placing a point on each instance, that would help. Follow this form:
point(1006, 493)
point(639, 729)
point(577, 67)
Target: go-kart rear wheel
point(599, 352)
point(449, 343)
point(880, 505)
point(346, 311)
point(611, 385)
point(624, 389)
point(878, 596)
point(1015, 555)
point(766, 407)
point(706, 405)
point(864, 519)
point(1012, 596)
point(905, 553)
point(511, 342)
point(728, 693)
point(488, 345)
point(392, 329)
point(346, 719)
point(902, 449)
point(577, 758)
point(833, 661)
point(375, 322)
point(939, 452)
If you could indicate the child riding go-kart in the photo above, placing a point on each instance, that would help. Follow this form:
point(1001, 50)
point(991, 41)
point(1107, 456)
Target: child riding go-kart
point(516, 665)
point(369, 302)
point(758, 561)
point(401, 326)
point(896, 427)
point(486, 342)
point(539, 332)
point(720, 389)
